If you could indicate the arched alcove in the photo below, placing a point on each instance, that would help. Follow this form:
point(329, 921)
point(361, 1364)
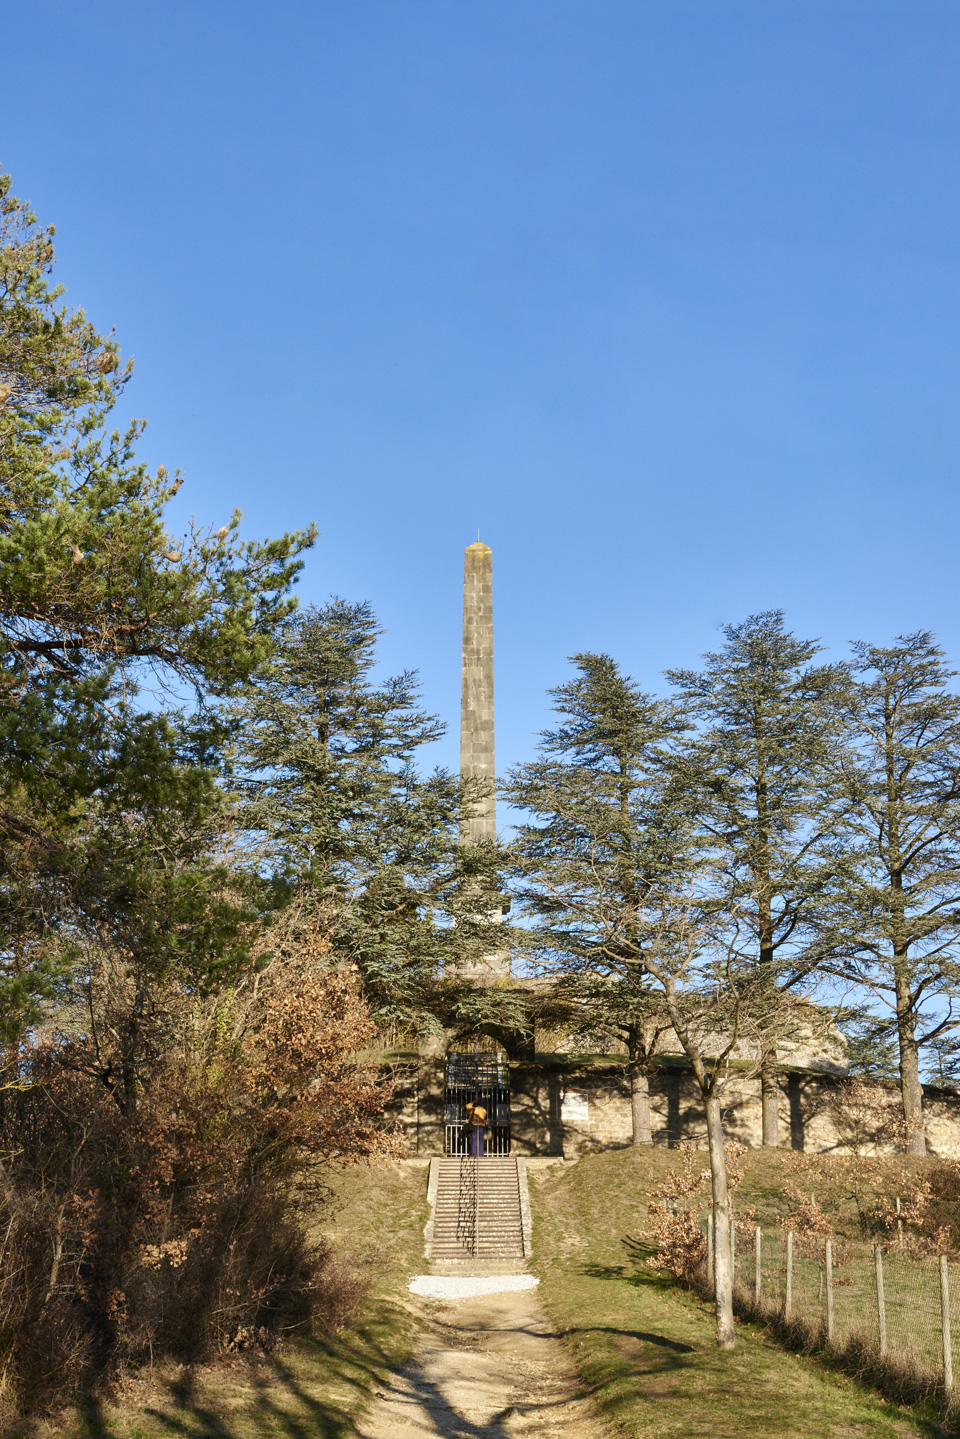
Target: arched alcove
point(476, 1072)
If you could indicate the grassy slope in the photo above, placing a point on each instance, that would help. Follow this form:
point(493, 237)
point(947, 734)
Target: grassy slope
point(646, 1345)
point(313, 1387)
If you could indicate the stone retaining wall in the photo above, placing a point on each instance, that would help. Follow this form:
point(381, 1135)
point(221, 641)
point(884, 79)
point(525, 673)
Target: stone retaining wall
point(569, 1110)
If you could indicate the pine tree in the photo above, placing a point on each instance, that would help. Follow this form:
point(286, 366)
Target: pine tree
point(762, 777)
point(95, 594)
point(593, 794)
point(326, 765)
point(943, 1061)
point(610, 867)
point(157, 912)
point(898, 918)
point(91, 580)
point(870, 1051)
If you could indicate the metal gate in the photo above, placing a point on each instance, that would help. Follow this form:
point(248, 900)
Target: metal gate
point(484, 1078)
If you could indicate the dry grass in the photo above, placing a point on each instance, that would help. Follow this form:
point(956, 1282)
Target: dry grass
point(645, 1344)
point(314, 1386)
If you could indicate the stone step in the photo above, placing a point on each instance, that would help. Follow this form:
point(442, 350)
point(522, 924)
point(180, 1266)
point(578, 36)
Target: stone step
point(465, 1233)
point(486, 1217)
point(463, 1216)
point(473, 1268)
point(496, 1251)
point(451, 1181)
point(466, 1226)
point(453, 1200)
point(489, 1221)
point(456, 1242)
point(488, 1226)
point(499, 1236)
point(488, 1195)
point(512, 1258)
point(508, 1204)
point(486, 1190)
point(450, 1226)
point(476, 1214)
point(484, 1203)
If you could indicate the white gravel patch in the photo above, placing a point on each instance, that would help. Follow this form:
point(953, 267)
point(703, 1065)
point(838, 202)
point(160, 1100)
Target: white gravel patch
point(444, 1286)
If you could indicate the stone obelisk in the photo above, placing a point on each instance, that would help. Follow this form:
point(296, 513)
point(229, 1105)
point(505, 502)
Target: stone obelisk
point(476, 687)
point(476, 710)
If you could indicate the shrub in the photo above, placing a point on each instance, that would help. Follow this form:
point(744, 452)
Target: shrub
point(180, 1230)
point(674, 1224)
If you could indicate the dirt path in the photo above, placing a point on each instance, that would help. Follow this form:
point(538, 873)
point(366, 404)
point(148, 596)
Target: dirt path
point(488, 1366)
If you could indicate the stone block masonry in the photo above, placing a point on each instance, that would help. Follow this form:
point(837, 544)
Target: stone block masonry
point(476, 688)
point(477, 759)
point(568, 1110)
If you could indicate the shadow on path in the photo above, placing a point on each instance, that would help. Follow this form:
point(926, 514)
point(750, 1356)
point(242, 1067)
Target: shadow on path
point(279, 1402)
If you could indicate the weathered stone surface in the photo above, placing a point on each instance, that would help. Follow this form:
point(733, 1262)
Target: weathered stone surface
point(476, 688)
point(477, 759)
point(810, 1040)
point(567, 1110)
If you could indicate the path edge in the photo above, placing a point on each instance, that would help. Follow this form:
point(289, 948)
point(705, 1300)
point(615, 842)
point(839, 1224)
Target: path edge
point(433, 1179)
point(526, 1218)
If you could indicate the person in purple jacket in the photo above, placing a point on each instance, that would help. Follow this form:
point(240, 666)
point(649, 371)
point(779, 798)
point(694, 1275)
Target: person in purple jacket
point(477, 1116)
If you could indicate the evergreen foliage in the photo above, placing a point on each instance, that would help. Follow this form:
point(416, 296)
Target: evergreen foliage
point(326, 764)
point(263, 845)
point(871, 1052)
point(95, 592)
point(168, 1085)
point(761, 775)
point(897, 918)
point(601, 845)
point(615, 872)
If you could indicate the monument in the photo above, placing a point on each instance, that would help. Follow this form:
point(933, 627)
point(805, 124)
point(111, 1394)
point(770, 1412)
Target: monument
point(476, 716)
point(541, 1094)
point(476, 688)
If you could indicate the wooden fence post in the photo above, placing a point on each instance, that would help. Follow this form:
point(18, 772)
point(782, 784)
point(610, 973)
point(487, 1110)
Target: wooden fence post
point(788, 1294)
point(945, 1325)
point(881, 1301)
point(757, 1270)
point(829, 1281)
point(733, 1250)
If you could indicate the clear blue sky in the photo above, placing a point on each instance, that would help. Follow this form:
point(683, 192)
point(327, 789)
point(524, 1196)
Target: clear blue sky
point(663, 297)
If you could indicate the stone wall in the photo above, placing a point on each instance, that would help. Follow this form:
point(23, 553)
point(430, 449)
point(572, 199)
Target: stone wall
point(819, 1113)
point(810, 1040)
point(570, 1110)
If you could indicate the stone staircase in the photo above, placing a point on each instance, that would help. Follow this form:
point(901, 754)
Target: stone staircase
point(480, 1216)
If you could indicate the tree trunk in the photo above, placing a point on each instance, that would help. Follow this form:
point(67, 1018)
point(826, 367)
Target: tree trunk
point(911, 1090)
point(770, 1101)
point(129, 1053)
point(722, 1271)
point(640, 1105)
point(129, 1072)
point(769, 1087)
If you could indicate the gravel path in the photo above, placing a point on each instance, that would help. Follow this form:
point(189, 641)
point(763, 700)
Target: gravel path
point(438, 1286)
point(488, 1365)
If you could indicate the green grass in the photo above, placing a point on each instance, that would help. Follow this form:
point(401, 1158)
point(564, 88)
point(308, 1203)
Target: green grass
point(646, 1346)
point(643, 1344)
point(312, 1387)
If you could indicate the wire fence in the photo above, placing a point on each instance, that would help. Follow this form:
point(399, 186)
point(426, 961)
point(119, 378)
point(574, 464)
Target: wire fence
point(902, 1306)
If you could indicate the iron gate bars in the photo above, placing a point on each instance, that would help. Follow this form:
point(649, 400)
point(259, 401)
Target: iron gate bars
point(482, 1079)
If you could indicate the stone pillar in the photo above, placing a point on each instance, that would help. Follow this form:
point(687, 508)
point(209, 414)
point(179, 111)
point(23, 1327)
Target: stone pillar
point(476, 719)
point(476, 688)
